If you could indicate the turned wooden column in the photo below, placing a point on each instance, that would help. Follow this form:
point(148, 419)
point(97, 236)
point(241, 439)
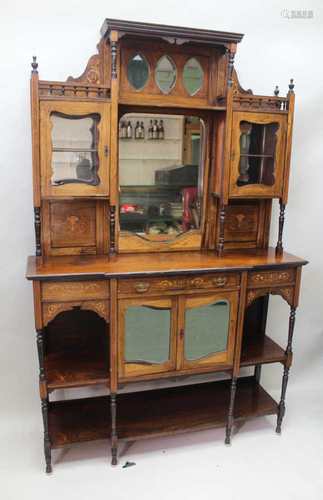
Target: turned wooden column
point(279, 246)
point(114, 435)
point(289, 355)
point(230, 419)
point(44, 399)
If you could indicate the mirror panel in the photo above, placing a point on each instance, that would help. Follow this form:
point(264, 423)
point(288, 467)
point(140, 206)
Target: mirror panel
point(138, 71)
point(147, 334)
point(193, 76)
point(206, 330)
point(257, 153)
point(75, 156)
point(160, 175)
point(165, 74)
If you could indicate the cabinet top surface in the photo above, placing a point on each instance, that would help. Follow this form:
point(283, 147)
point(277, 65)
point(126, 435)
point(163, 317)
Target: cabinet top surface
point(127, 265)
point(150, 30)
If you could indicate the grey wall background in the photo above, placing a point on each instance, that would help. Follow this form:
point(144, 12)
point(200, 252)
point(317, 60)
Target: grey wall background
point(64, 35)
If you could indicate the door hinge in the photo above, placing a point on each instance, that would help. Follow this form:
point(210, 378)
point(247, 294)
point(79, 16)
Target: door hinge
point(106, 151)
point(181, 333)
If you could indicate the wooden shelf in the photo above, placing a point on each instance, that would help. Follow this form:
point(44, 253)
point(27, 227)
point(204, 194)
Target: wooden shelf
point(158, 412)
point(75, 369)
point(260, 350)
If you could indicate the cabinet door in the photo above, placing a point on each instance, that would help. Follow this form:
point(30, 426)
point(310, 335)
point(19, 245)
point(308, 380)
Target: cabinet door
point(147, 329)
point(208, 325)
point(257, 155)
point(74, 147)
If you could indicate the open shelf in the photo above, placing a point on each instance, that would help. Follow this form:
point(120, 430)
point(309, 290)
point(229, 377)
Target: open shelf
point(260, 350)
point(75, 369)
point(157, 412)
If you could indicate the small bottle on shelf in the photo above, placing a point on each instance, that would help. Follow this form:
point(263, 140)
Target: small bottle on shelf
point(129, 130)
point(142, 130)
point(123, 130)
point(137, 131)
point(150, 130)
point(155, 130)
point(161, 131)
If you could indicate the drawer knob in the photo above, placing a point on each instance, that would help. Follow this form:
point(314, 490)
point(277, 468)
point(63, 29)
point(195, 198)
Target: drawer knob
point(142, 287)
point(219, 281)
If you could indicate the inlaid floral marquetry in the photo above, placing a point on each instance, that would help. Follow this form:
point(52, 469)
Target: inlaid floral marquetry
point(51, 309)
point(74, 290)
point(154, 285)
point(271, 277)
point(286, 292)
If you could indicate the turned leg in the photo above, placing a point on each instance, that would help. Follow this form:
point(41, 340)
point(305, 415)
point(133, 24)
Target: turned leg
point(279, 246)
point(257, 373)
point(221, 231)
point(47, 445)
point(231, 410)
point(114, 436)
point(282, 407)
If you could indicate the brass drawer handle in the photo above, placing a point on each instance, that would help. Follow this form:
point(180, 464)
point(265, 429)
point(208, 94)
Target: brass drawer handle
point(142, 287)
point(219, 281)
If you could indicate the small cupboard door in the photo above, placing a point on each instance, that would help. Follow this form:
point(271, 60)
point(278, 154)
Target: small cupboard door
point(74, 148)
point(207, 330)
point(257, 155)
point(147, 336)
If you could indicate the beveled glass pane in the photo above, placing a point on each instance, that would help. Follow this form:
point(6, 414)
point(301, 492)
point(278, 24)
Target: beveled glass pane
point(160, 176)
point(75, 149)
point(193, 76)
point(257, 153)
point(147, 334)
point(165, 74)
point(138, 71)
point(206, 330)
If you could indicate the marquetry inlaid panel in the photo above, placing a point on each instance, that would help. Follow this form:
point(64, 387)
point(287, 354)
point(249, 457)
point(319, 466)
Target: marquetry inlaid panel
point(270, 278)
point(175, 284)
point(74, 290)
point(51, 309)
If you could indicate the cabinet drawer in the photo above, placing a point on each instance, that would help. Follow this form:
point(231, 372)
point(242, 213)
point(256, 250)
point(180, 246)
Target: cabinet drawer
point(270, 278)
point(75, 290)
point(170, 285)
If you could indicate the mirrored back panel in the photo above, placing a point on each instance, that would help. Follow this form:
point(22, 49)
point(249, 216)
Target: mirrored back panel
point(160, 174)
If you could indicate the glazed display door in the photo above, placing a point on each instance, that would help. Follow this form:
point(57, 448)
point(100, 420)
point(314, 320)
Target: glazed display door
point(74, 148)
point(147, 336)
point(207, 329)
point(257, 155)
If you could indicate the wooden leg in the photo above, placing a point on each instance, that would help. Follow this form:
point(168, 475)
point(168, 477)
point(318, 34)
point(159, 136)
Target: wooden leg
point(114, 436)
point(221, 231)
point(282, 407)
point(257, 373)
point(231, 410)
point(47, 445)
point(279, 246)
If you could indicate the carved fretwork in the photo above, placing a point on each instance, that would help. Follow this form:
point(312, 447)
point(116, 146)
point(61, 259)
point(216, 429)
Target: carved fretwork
point(47, 444)
point(37, 223)
point(231, 410)
point(114, 436)
point(282, 406)
point(287, 292)
point(112, 223)
point(279, 246)
point(113, 46)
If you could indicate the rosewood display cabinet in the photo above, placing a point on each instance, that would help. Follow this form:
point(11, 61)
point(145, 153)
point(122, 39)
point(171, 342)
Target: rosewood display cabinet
point(154, 174)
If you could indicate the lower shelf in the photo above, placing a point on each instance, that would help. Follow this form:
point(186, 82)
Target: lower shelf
point(157, 413)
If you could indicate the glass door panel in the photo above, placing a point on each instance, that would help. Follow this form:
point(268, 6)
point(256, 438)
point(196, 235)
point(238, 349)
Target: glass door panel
point(208, 326)
point(146, 336)
point(206, 330)
point(74, 148)
point(257, 157)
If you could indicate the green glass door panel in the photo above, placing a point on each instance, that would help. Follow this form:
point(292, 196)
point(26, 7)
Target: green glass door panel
point(147, 335)
point(206, 330)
